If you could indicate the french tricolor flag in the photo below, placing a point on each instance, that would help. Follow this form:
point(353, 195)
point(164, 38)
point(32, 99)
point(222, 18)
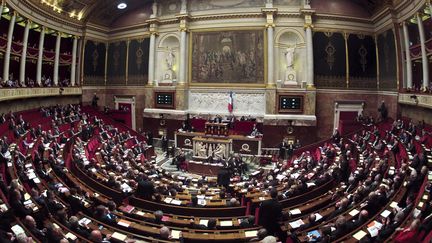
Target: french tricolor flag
point(230, 102)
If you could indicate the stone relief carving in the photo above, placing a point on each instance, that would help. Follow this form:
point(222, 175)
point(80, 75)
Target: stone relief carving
point(197, 5)
point(216, 102)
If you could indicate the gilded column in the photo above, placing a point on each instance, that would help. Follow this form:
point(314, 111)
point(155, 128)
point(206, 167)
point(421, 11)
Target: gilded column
point(346, 35)
point(24, 52)
point(408, 62)
point(74, 57)
point(57, 59)
point(9, 47)
point(40, 57)
point(425, 61)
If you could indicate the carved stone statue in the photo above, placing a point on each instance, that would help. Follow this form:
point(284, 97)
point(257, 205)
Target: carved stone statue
point(269, 3)
point(183, 6)
point(289, 56)
point(219, 152)
point(154, 9)
point(200, 150)
point(170, 59)
point(290, 73)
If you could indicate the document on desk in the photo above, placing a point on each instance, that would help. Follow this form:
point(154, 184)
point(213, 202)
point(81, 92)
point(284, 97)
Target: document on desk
point(295, 211)
point(204, 222)
point(70, 236)
point(385, 213)
point(119, 236)
point(353, 212)
point(296, 224)
point(124, 223)
point(251, 233)
point(226, 223)
point(175, 234)
point(359, 235)
point(176, 202)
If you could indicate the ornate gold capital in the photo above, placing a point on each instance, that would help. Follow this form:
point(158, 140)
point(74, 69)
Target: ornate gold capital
point(270, 26)
point(308, 26)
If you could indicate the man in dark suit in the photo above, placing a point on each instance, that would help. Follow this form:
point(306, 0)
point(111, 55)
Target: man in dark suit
point(223, 178)
point(269, 215)
point(145, 188)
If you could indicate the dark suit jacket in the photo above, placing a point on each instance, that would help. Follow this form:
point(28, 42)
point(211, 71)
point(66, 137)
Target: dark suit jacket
point(270, 213)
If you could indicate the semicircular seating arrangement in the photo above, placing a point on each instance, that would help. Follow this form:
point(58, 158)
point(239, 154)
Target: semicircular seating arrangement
point(81, 171)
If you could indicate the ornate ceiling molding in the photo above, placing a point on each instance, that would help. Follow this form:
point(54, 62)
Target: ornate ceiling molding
point(30, 11)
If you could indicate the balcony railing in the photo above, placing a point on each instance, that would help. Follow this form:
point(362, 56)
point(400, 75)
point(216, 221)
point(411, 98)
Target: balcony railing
point(24, 93)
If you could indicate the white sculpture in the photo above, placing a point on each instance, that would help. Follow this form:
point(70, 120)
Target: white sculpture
point(170, 59)
point(289, 57)
point(183, 6)
point(154, 10)
point(269, 3)
point(290, 73)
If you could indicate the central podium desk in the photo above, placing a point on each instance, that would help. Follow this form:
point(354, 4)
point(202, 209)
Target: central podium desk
point(239, 143)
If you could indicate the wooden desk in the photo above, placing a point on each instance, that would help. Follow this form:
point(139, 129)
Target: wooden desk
point(201, 168)
point(240, 144)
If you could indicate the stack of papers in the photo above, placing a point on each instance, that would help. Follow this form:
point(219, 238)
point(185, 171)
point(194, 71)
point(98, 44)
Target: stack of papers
point(295, 211)
point(124, 223)
point(385, 213)
point(176, 202)
point(359, 235)
point(175, 234)
point(70, 236)
point(374, 228)
point(118, 236)
point(17, 229)
point(204, 222)
point(353, 212)
point(251, 233)
point(226, 223)
point(296, 224)
point(84, 221)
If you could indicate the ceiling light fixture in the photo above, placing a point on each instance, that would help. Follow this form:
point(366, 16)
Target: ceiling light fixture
point(122, 5)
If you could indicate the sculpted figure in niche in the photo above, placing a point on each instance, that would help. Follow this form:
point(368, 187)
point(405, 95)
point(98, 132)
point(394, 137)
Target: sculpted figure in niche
point(170, 59)
point(289, 56)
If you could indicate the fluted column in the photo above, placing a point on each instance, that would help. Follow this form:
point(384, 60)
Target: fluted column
point(270, 53)
point(24, 52)
point(74, 55)
point(151, 75)
point(78, 79)
point(407, 56)
point(425, 61)
point(183, 42)
point(57, 59)
point(8, 47)
point(40, 57)
point(310, 56)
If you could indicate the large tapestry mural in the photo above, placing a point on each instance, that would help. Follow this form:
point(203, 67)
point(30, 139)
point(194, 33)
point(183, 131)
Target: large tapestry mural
point(228, 57)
